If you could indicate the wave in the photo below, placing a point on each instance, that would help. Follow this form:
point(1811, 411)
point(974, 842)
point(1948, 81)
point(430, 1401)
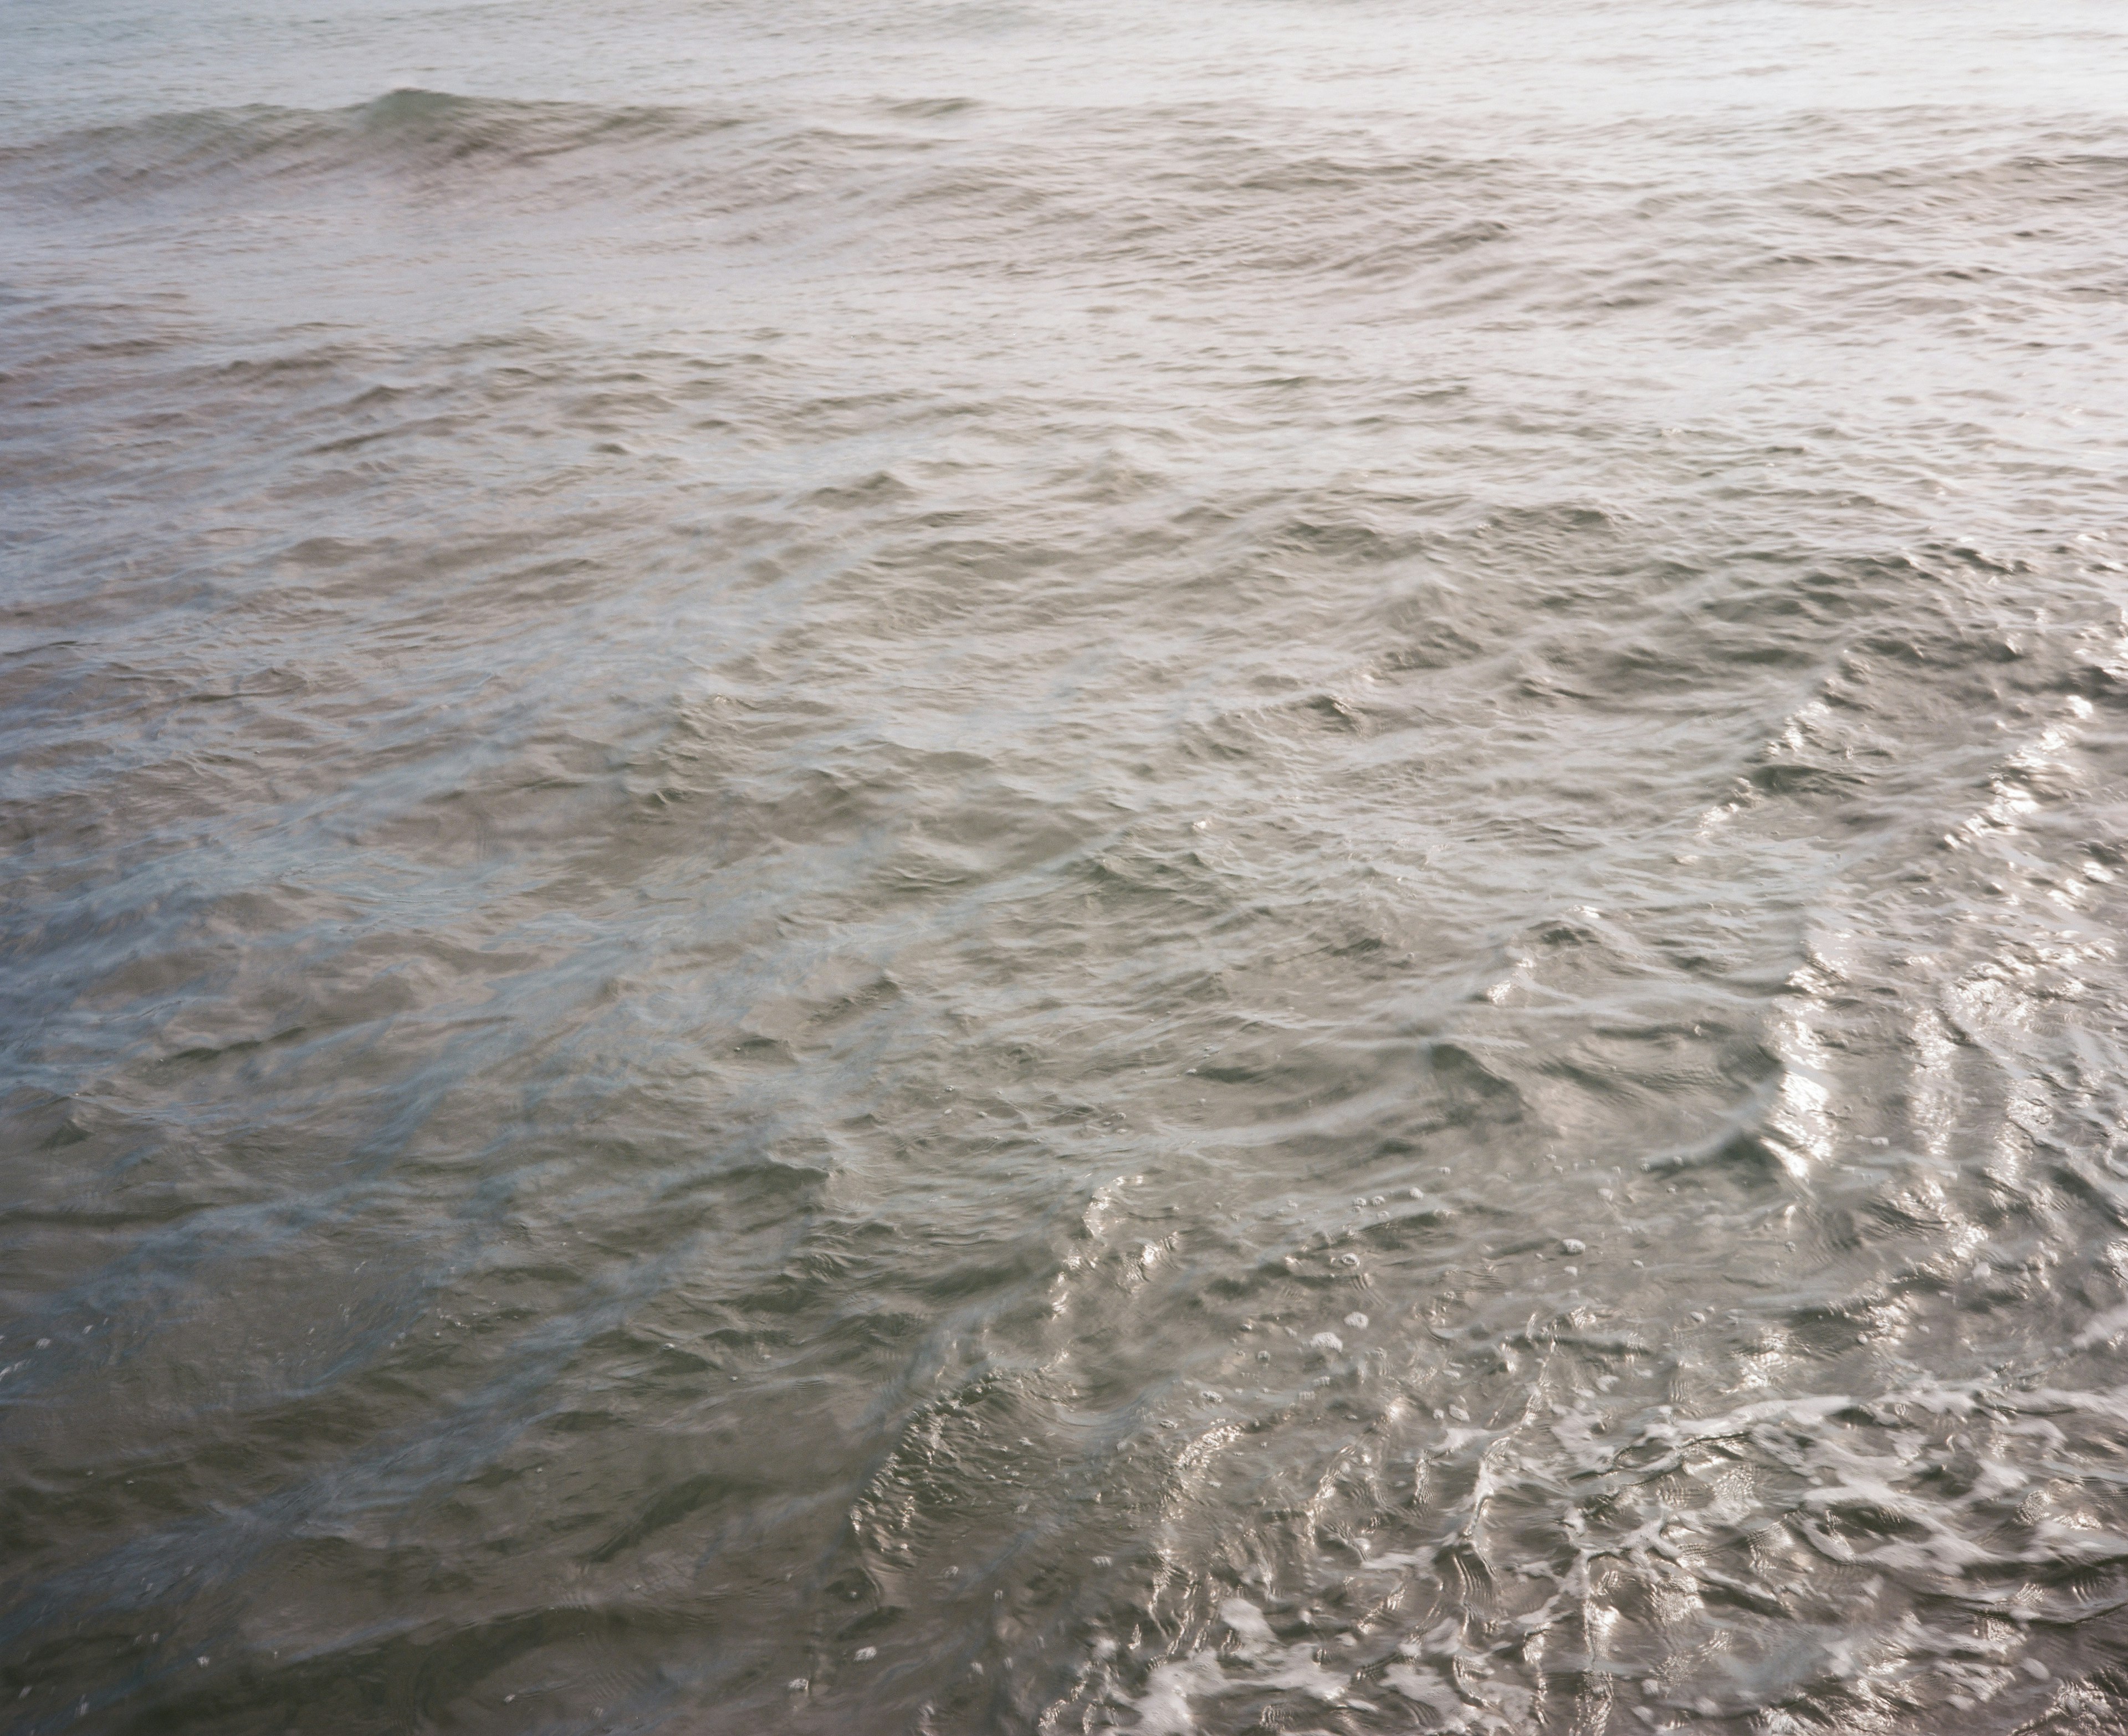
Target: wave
point(1181, 200)
point(421, 131)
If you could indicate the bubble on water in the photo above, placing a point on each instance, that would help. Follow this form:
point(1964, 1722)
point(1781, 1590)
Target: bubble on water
point(1327, 1341)
point(1356, 1320)
point(865, 1654)
point(1572, 1245)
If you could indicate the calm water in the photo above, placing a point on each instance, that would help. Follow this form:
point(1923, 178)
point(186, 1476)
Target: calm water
point(1032, 865)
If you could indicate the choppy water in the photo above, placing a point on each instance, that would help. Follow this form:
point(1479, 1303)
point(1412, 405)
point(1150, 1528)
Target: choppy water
point(1036, 866)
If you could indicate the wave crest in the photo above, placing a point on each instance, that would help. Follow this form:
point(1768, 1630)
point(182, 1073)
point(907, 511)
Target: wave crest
point(422, 132)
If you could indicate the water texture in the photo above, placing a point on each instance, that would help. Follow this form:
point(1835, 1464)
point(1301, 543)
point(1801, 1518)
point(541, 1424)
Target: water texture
point(1027, 865)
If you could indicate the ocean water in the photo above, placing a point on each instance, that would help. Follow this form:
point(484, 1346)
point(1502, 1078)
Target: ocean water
point(1033, 866)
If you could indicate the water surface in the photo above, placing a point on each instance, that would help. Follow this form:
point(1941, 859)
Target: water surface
point(1043, 866)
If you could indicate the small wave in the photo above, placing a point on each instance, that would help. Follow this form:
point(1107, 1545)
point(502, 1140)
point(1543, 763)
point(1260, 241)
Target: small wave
point(405, 130)
point(931, 108)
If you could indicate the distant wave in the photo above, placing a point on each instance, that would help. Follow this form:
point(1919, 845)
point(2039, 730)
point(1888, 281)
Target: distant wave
point(422, 131)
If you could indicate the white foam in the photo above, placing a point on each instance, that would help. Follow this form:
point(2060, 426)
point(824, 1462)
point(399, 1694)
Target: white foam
point(1258, 1662)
